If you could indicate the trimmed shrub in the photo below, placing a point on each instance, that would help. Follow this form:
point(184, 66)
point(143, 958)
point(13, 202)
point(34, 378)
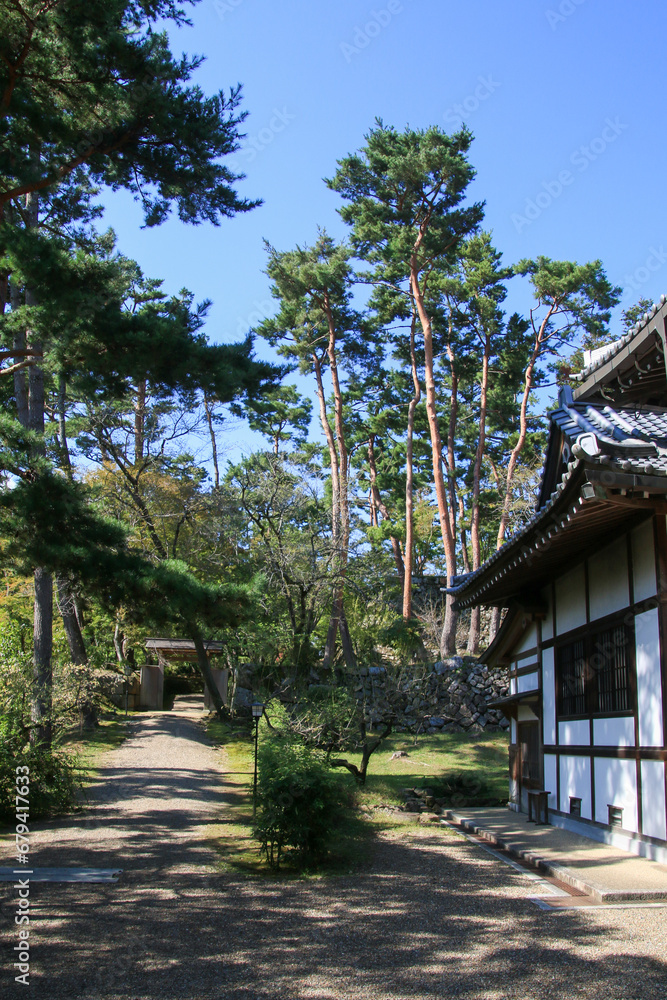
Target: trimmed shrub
point(53, 780)
point(300, 803)
point(466, 788)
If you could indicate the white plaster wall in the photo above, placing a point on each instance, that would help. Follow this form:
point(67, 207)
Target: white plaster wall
point(513, 730)
point(528, 639)
point(643, 562)
point(528, 682)
point(525, 713)
point(549, 696)
point(512, 685)
point(617, 732)
point(548, 623)
point(616, 785)
point(574, 733)
point(575, 780)
point(608, 588)
point(654, 822)
point(551, 778)
point(649, 680)
point(570, 601)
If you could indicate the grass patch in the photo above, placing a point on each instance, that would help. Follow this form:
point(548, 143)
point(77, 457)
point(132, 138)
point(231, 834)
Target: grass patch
point(89, 746)
point(431, 758)
point(482, 756)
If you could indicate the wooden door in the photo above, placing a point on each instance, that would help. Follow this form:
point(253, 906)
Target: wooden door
point(529, 757)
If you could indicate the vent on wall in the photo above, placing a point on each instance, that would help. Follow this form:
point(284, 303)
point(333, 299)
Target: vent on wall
point(615, 815)
point(575, 806)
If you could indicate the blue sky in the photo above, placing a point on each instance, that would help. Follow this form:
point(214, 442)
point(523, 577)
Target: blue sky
point(563, 96)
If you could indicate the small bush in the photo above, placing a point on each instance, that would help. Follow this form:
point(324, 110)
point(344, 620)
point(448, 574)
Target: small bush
point(53, 780)
point(300, 802)
point(465, 788)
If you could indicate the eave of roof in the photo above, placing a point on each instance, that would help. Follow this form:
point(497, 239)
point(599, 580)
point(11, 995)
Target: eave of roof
point(623, 352)
point(588, 506)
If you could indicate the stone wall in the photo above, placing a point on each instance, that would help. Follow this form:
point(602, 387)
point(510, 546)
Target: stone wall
point(448, 696)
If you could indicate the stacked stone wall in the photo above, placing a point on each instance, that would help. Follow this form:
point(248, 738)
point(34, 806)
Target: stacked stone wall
point(453, 695)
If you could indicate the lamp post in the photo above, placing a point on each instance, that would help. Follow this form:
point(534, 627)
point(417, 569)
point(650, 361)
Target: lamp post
point(128, 673)
point(257, 712)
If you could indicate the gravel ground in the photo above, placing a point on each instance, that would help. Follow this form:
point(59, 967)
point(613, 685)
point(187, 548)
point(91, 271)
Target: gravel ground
point(433, 916)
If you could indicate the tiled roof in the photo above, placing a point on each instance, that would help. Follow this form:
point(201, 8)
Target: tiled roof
point(603, 355)
point(631, 439)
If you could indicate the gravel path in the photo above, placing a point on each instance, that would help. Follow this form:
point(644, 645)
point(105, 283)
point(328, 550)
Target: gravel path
point(433, 916)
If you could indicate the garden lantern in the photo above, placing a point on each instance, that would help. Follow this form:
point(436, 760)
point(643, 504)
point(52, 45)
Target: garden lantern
point(257, 712)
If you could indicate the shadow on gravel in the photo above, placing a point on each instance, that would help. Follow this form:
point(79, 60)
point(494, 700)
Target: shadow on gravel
point(434, 917)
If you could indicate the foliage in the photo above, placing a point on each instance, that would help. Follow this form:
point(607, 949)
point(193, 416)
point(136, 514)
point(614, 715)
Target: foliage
point(465, 788)
point(301, 805)
point(53, 785)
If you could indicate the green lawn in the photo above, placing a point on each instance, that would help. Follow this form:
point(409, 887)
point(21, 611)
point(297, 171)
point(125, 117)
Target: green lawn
point(479, 756)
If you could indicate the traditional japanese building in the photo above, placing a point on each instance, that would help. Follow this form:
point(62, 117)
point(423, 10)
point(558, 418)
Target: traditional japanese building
point(585, 587)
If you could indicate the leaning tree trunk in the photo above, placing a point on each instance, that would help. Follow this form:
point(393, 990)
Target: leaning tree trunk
point(205, 670)
point(66, 601)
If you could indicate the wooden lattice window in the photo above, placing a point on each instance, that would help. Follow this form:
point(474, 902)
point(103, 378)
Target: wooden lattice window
point(572, 679)
point(595, 673)
point(609, 664)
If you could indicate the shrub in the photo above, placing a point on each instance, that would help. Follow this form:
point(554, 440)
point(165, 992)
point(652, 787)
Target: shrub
point(466, 788)
point(300, 802)
point(53, 780)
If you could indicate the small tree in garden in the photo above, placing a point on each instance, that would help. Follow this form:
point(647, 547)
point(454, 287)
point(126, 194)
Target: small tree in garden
point(336, 724)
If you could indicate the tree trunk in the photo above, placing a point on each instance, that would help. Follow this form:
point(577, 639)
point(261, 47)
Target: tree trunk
point(139, 422)
point(214, 446)
point(474, 635)
point(66, 606)
point(377, 504)
point(472, 649)
point(42, 650)
point(541, 337)
point(338, 616)
point(20, 376)
point(330, 645)
point(448, 636)
point(409, 478)
point(448, 639)
point(205, 670)
point(494, 624)
point(43, 584)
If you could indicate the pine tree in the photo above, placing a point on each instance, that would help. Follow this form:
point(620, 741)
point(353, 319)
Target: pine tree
point(405, 204)
point(92, 94)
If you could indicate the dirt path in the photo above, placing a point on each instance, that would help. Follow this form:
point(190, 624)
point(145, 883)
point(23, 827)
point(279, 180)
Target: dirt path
point(151, 803)
point(432, 916)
